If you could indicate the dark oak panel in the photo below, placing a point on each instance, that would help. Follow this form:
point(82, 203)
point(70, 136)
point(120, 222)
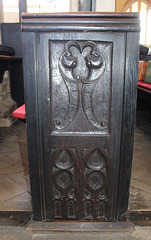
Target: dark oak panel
point(81, 135)
point(80, 76)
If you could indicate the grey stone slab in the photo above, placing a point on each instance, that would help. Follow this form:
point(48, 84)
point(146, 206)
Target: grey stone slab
point(14, 233)
point(20, 233)
point(138, 234)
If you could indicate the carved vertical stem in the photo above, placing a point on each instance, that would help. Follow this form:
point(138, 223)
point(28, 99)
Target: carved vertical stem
point(87, 104)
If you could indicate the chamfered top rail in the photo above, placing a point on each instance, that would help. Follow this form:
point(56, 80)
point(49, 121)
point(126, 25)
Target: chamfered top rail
point(88, 21)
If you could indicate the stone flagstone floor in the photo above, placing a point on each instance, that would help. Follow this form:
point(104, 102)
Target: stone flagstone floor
point(14, 174)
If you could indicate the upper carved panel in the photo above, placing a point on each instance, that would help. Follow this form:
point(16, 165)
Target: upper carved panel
point(85, 70)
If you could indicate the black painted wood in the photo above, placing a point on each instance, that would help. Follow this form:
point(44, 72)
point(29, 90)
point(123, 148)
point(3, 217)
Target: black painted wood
point(31, 99)
point(80, 75)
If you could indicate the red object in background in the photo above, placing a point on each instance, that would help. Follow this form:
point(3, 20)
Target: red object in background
point(142, 70)
point(144, 85)
point(20, 112)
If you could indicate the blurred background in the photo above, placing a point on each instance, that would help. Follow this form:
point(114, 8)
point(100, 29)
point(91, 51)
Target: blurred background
point(10, 10)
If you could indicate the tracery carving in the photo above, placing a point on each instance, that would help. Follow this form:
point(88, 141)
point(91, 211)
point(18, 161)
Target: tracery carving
point(95, 183)
point(80, 65)
point(63, 184)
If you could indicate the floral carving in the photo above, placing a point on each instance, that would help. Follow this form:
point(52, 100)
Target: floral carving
point(80, 64)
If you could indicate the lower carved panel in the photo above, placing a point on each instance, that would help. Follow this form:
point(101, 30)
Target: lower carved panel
point(79, 193)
